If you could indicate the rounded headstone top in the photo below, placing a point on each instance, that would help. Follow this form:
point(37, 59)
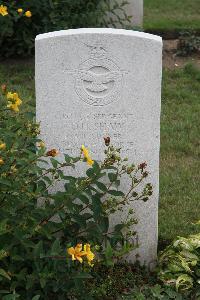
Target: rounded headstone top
point(110, 31)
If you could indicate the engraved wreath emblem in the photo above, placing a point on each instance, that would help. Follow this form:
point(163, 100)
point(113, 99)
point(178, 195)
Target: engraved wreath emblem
point(98, 80)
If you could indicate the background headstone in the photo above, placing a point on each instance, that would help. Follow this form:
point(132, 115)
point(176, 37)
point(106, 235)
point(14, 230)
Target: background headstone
point(92, 83)
point(134, 8)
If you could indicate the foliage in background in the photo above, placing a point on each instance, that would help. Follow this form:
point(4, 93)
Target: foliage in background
point(33, 242)
point(179, 265)
point(18, 28)
point(128, 282)
point(189, 43)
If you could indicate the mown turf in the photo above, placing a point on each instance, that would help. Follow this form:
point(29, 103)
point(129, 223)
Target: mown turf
point(180, 153)
point(180, 142)
point(171, 14)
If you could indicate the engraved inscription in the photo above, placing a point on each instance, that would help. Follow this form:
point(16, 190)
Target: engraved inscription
point(91, 128)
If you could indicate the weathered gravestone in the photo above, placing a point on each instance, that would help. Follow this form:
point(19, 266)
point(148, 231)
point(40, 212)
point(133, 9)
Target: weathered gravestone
point(92, 83)
point(134, 8)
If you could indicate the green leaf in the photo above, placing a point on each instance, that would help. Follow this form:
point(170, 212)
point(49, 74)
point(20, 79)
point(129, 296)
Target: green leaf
point(36, 297)
point(112, 177)
point(3, 227)
point(116, 193)
point(96, 206)
point(156, 291)
point(47, 179)
point(67, 158)
point(56, 248)
point(42, 282)
point(3, 273)
point(184, 282)
point(119, 227)
point(101, 186)
point(38, 250)
point(109, 254)
point(104, 224)
point(3, 254)
point(96, 168)
point(54, 162)
point(4, 292)
point(90, 172)
point(84, 199)
point(11, 297)
point(5, 182)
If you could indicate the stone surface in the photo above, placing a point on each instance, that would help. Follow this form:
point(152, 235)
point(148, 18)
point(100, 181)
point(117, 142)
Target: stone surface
point(92, 83)
point(135, 9)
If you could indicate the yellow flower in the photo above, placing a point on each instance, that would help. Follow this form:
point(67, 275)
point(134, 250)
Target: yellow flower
point(85, 151)
point(79, 251)
point(20, 10)
point(76, 253)
point(89, 254)
point(28, 14)
point(1, 161)
point(14, 97)
point(3, 10)
point(86, 155)
point(13, 101)
point(90, 161)
point(41, 144)
point(9, 95)
point(13, 107)
point(2, 146)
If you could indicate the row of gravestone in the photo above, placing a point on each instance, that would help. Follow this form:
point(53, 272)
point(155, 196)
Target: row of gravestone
point(92, 83)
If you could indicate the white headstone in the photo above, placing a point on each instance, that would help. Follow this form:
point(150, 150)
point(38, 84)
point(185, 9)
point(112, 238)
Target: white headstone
point(92, 83)
point(134, 8)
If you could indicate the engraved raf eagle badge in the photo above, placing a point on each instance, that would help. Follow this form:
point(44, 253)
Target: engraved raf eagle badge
point(98, 80)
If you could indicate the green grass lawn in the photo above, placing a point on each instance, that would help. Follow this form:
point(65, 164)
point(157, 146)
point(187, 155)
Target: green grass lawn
point(180, 142)
point(180, 153)
point(171, 14)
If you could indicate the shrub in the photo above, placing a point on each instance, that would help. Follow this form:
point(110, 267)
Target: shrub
point(189, 43)
point(26, 19)
point(128, 282)
point(42, 233)
point(179, 265)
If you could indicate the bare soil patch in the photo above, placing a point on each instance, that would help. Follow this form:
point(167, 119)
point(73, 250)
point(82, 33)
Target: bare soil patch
point(172, 61)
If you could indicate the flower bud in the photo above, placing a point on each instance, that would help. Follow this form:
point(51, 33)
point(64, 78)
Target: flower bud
point(145, 199)
point(3, 88)
point(134, 194)
point(107, 141)
point(129, 170)
point(142, 166)
point(145, 174)
point(52, 152)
